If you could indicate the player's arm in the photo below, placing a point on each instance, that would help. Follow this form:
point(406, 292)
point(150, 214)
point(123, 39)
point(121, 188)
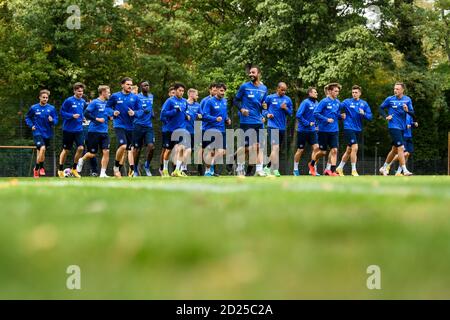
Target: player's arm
point(237, 102)
point(65, 114)
point(384, 106)
point(368, 112)
point(408, 108)
point(300, 115)
point(266, 103)
point(318, 113)
point(290, 108)
point(169, 111)
point(207, 113)
point(29, 118)
point(55, 117)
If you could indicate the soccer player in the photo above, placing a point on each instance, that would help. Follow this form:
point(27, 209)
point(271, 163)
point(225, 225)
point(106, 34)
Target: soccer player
point(99, 115)
point(143, 129)
point(355, 110)
point(194, 111)
point(409, 144)
point(249, 100)
point(72, 115)
point(124, 104)
point(41, 118)
point(212, 93)
point(327, 114)
point(306, 129)
point(174, 113)
point(398, 106)
point(86, 123)
point(215, 117)
point(279, 106)
point(171, 93)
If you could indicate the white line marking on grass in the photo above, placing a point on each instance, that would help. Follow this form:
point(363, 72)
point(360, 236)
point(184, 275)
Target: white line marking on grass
point(194, 187)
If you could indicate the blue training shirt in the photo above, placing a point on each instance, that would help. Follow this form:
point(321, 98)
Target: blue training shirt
point(144, 115)
point(122, 102)
point(37, 117)
point(98, 109)
point(194, 110)
point(70, 107)
point(354, 119)
point(394, 108)
point(173, 114)
point(326, 109)
point(305, 115)
point(213, 109)
point(274, 103)
point(408, 131)
point(251, 97)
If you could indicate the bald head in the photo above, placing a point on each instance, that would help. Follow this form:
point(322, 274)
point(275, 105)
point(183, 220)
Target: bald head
point(282, 89)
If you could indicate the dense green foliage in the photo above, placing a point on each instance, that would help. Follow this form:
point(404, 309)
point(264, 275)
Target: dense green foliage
point(301, 42)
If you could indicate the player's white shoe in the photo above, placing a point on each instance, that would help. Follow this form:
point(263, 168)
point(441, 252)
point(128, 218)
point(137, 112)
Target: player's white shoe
point(104, 176)
point(260, 173)
point(407, 173)
point(80, 165)
point(383, 171)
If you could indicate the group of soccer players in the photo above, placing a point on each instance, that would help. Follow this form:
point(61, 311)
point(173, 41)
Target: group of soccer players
point(132, 115)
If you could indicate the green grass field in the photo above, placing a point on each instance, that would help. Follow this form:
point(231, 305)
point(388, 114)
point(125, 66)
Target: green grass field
point(226, 238)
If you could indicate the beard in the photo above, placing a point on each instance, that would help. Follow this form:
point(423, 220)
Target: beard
point(253, 78)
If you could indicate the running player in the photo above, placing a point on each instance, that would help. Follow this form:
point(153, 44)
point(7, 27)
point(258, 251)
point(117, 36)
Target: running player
point(99, 116)
point(355, 110)
point(194, 111)
point(306, 129)
point(279, 106)
point(72, 115)
point(41, 118)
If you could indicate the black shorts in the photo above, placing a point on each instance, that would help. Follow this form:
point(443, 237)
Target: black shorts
point(397, 137)
point(328, 139)
point(40, 142)
point(272, 136)
point(248, 127)
point(409, 145)
point(124, 137)
point(96, 141)
point(142, 136)
point(69, 138)
point(168, 143)
point(306, 137)
point(352, 137)
point(209, 144)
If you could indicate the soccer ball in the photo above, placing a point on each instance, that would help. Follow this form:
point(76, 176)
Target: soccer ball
point(68, 173)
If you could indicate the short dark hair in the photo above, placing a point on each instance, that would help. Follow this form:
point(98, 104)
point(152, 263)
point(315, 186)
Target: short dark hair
point(221, 86)
point(310, 89)
point(142, 82)
point(78, 85)
point(212, 85)
point(125, 80)
point(254, 66)
point(179, 85)
point(402, 84)
point(334, 85)
point(44, 91)
point(356, 87)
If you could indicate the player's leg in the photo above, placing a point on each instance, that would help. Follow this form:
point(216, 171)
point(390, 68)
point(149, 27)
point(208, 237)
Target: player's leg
point(92, 142)
point(323, 147)
point(39, 143)
point(118, 161)
point(150, 143)
point(313, 141)
point(105, 146)
point(67, 145)
point(168, 145)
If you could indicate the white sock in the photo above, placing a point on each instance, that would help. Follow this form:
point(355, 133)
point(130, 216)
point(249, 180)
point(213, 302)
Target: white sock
point(353, 166)
point(166, 164)
point(385, 165)
point(103, 172)
point(405, 169)
point(184, 167)
point(341, 165)
point(179, 163)
point(259, 167)
point(296, 165)
point(399, 170)
point(328, 166)
point(240, 167)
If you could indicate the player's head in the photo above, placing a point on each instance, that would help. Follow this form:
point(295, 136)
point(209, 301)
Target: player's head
point(78, 90)
point(213, 89)
point(221, 89)
point(334, 89)
point(145, 87)
point(312, 93)
point(193, 94)
point(282, 89)
point(179, 90)
point(127, 84)
point(399, 89)
point(43, 96)
point(356, 92)
point(135, 89)
point(254, 74)
point(326, 90)
point(171, 92)
point(104, 92)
